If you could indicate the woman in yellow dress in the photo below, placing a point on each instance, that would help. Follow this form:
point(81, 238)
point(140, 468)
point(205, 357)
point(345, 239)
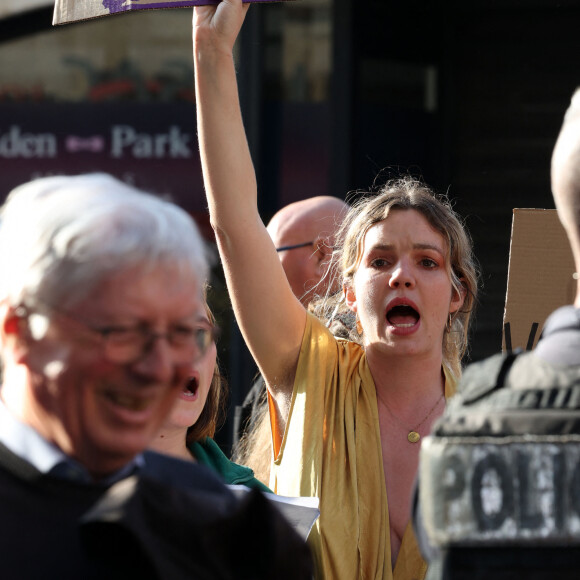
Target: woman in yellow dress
point(347, 417)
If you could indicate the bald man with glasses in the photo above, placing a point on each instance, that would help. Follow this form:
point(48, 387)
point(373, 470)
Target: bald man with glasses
point(304, 234)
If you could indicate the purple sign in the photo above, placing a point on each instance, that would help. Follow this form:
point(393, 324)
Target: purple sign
point(114, 5)
point(151, 145)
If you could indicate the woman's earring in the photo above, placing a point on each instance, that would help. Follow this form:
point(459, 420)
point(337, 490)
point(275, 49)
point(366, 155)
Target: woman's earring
point(449, 323)
point(359, 327)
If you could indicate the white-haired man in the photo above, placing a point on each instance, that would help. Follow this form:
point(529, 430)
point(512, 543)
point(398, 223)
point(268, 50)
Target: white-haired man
point(101, 317)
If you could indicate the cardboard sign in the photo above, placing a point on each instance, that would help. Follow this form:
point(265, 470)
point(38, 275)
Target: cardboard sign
point(66, 11)
point(541, 276)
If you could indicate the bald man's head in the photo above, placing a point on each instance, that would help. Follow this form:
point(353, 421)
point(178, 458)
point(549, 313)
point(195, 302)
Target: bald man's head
point(313, 222)
point(566, 175)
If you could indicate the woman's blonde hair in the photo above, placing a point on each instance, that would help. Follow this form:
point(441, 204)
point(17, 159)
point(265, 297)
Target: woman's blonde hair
point(404, 194)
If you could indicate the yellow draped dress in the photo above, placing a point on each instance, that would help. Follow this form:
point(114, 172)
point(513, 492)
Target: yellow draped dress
point(331, 449)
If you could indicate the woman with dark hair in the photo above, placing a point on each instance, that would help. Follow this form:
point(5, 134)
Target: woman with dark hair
point(188, 431)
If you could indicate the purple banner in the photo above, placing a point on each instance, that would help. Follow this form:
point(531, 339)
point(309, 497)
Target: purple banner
point(151, 145)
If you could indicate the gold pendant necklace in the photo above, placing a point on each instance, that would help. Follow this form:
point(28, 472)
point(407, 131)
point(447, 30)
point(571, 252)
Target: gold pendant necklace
point(413, 436)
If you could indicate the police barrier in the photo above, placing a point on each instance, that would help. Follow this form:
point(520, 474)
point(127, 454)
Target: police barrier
point(476, 491)
point(499, 477)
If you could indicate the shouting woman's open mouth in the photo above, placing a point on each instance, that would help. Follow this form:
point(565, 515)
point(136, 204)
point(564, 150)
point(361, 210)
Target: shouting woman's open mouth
point(189, 392)
point(402, 315)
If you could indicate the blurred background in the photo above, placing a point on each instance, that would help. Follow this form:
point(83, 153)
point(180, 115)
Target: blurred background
point(337, 96)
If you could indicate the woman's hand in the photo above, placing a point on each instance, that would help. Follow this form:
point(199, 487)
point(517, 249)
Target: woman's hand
point(217, 26)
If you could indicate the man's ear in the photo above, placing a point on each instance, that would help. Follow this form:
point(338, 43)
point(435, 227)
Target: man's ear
point(320, 253)
point(14, 330)
point(11, 320)
point(457, 296)
point(349, 296)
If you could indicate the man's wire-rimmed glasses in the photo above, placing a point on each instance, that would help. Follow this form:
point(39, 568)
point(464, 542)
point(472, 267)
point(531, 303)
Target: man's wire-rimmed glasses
point(294, 246)
point(127, 344)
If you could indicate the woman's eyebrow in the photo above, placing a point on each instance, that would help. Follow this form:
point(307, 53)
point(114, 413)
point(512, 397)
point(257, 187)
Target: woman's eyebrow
point(199, 318)
point(418, 246)
point(381, 248)
point(193, 318)
point(429, 247)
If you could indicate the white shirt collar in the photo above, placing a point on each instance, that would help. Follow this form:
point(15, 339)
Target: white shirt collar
point(24, 441)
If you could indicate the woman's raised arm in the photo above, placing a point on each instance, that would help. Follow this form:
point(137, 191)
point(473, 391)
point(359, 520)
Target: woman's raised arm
point(271, 318)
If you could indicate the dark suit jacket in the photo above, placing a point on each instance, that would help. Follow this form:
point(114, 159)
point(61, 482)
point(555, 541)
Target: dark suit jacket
point(174, 520)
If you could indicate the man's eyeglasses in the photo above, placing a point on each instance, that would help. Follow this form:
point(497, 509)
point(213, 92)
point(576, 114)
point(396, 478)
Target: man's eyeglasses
point(319, 243)
point(127, 344)
point(293, 247)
